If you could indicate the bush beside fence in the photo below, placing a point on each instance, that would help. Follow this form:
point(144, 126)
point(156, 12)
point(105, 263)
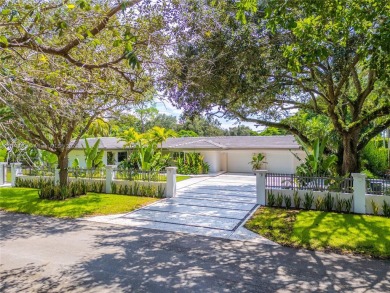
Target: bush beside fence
point(277, 198)
point(118, 181)
point(325, 193)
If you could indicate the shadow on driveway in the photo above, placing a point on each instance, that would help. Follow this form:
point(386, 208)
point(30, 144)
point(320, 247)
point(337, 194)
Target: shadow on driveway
point(53, 255)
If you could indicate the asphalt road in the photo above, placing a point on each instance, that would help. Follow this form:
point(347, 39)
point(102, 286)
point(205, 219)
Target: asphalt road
point(41, 254)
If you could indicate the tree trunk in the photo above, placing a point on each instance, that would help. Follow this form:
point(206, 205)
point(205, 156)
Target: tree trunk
point(350, 157)
point(63, 166)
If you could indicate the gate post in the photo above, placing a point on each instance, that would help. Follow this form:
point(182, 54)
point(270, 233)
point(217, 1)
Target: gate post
point(359, 193)
point(3, 172)
point(170, 190)
point(260, 186)
point(109, 177)
point(15, 171)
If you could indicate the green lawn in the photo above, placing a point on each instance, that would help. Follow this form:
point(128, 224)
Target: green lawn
point(343, 233)
point(25, 200)
point(182, 177)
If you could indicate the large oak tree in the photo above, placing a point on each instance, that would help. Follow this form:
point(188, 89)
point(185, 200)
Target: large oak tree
point(326, 58)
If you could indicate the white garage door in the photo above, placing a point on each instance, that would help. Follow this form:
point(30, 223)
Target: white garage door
point(238, 162)
point(277, 161)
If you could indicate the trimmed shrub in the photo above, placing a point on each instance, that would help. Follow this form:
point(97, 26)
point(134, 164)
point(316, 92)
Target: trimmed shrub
point(287, 201)
point(348, 204)
point(386, 209)
point(308, 200)
point(339, 205)
point(279, 200)
point(328, 202)
point(297, 200)
point(53, 192)
point(113, 187)
point(375, 208)
point(270, 199)
point(319, 203)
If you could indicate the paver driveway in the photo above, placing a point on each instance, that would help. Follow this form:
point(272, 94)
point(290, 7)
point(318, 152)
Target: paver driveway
point(212, 206)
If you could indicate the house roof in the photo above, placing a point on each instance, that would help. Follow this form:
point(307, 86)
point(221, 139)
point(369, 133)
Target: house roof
point(232, 142)
point(106, 143)
point(211, 143)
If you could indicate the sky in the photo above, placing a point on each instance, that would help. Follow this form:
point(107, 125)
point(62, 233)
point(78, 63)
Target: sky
point(165, 107)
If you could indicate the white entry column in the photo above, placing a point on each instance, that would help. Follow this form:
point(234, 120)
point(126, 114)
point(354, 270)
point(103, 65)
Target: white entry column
point(260, 186)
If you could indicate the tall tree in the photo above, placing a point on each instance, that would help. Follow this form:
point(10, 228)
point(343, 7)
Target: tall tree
point(145, 114)
point(240, 130)
point(202, 126)
point(327, 58)
point(162, 120)
point(64, 63)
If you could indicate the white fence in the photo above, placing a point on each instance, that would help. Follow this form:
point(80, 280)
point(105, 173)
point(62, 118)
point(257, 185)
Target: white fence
point(356, 186)
point(168, 187)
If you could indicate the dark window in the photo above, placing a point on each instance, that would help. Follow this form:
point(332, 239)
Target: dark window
point(122, 156)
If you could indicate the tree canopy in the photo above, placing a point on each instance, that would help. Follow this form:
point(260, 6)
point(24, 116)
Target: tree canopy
point(65, 63)
point(324, 58)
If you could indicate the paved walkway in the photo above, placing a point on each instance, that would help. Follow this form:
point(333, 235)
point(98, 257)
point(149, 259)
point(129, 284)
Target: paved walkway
point(209, 206)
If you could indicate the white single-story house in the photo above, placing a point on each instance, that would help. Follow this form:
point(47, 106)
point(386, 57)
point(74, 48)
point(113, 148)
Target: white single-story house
point(222, 153)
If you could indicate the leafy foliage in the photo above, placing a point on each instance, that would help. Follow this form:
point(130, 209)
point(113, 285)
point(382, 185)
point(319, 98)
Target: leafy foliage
point(308, 200)
point(270, 199)
point(328, 202)
point(257, 161)
point(328, 59)
point(386, 209)
point(376, 156)
point(319, 203)
point(93, 156)
point(137, 189)
point(375, 208)
point(279, 201)
point(348, 204)
point(316, 162)
point(287, 201)
point(65, 64)
point(297, 200)
point(192, 163)
point(339, 204)
point(145, 152)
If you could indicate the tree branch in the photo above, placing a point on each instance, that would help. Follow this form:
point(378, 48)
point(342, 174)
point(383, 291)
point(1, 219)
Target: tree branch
point(273, 124)
point(366, 137)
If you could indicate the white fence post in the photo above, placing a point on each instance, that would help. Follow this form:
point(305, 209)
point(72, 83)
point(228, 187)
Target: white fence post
point(15, 171)
point(260, 186)
point(359, 193)
point(3, 172)
point(109, 177)
point(56, 176)
point(171, 182)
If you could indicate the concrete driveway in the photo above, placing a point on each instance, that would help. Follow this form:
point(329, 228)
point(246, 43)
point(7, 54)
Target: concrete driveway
point(41, 254)
point(209, 206)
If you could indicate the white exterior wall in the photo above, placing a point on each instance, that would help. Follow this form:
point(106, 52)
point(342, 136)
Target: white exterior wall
point(213, 158)
point(238, 161)
point(278, 161)
point(77, 154)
